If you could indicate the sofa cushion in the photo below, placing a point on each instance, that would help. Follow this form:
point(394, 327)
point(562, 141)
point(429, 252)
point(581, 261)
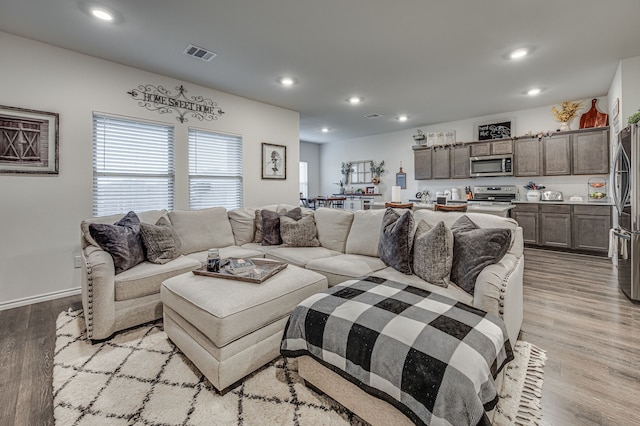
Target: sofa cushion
point(242, 222)
point(364, 235)
point(333, 227)
point(433, 253)
point(474, 249)
point(145, 278)
point(271, 225)
point(395, 244)
point(161, 242)
point(299, 233)
point(149, 216)
point(121, 240)
point(347, 265)
point(202, 229)
point(297, 256)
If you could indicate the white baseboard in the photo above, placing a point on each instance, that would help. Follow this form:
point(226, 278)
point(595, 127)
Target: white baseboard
point(39, 298)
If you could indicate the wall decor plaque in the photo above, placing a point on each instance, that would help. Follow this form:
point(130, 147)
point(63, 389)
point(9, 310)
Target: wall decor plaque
point(28, 141)
point(157, 98)
point(495, 129)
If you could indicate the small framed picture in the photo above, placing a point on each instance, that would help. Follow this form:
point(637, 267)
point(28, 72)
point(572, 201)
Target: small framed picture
point(274, 161)
point(28, 141)
point(370, 190)
point(500, 128)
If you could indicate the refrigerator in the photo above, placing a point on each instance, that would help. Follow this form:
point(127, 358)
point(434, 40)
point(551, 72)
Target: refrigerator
point(626, 185)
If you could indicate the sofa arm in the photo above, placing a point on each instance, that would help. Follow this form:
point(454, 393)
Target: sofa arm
point(499, 290)
point(98, 292)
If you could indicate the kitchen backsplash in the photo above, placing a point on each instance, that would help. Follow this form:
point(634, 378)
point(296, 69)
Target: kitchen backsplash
point(568, 185)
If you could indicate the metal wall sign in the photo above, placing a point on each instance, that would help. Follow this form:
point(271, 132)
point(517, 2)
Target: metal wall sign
point(157, 98)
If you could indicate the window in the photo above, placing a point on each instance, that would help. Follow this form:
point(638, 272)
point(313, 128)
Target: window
point(304, 179)
point(215, 170)
point(133, 166)
point(361, 172)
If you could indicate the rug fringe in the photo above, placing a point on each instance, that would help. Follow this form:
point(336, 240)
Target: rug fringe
point(529, 407)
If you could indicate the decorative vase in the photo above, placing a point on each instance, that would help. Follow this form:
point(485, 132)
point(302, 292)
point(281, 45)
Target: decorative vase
point(342, 189)
point(533, 195)
point(376, 189)
point(564, 126)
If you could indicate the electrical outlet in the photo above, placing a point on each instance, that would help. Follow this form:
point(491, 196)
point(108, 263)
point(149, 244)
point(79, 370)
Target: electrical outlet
point(77, 262)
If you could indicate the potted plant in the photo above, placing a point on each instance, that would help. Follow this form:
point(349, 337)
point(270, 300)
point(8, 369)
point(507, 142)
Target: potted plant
point(347, 169)
point(341, 185)
point(376, 171)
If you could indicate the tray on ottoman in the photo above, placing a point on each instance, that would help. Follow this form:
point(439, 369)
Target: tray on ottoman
point(264, 270)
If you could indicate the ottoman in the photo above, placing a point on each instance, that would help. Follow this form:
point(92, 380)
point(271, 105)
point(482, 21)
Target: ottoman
point(230, 328)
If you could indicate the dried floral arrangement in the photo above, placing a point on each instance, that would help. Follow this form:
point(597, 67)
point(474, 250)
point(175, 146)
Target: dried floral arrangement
point(567, 111)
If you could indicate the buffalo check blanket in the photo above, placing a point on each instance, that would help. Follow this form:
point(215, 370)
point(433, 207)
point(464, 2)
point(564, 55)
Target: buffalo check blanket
point(432, 357)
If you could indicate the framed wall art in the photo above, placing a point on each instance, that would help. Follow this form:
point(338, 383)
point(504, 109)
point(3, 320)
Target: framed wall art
point(274, 161)
point(501, 128)
point(28, 141)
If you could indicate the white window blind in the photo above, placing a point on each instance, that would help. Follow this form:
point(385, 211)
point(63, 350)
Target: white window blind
point(215, 170)
point(133, 165)
point(304, 179)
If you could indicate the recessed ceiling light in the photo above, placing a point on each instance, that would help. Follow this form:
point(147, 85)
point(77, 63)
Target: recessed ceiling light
point(533, 92)
point(519, 53)
point(102, 14)
point(354, 100)
point(287, 81)
point(402, 118)
point(325, 130)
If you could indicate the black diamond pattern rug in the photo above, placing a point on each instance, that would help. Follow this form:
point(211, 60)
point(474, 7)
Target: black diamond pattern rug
point(139, 377)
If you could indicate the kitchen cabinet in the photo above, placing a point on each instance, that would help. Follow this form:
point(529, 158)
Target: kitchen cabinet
point(440, 164)
point(591, 226)
point(527, 157)
point(422, 163)
point(556, 155)
point(580, 227)
point(527, 216)
point(479, 149)
point(460, 162)
point(555, 226)
point(590, 154)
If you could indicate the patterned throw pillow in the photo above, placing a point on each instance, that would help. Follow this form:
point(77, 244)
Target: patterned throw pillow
point(474, 249)
point(395, 245)
point(299, 233)
point(271, 225)
point(258, 222)
point(121, 240)
point(433, 253)
point(161, 241)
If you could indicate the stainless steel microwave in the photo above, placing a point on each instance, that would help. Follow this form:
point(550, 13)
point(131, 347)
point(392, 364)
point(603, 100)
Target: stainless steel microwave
point(491, 165)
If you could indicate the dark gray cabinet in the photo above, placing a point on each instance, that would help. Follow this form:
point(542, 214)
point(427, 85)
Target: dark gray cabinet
point(422, 163)
point(590, 154)
point(578, 227)
point(527, 216)
point(527, 157)
point(591, 226)
point(555, 226)
point(440, 165)
point(479, 149)
point(460, 162)
point(556, 155)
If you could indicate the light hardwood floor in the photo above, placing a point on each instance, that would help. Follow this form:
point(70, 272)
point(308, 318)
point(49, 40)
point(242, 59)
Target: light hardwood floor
point(572, 306)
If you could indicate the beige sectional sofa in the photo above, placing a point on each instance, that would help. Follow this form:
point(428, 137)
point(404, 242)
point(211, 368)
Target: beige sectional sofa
point(348, 249)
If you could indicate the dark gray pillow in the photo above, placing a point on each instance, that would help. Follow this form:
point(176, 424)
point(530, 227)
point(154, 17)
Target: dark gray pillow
point(160, 241)
point(121, 240)
point(433, 253)
point(299, 233)
point(271, 225)
point(395, 245)
point(474, 249)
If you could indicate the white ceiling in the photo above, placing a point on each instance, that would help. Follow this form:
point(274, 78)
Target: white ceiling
point(435, 61)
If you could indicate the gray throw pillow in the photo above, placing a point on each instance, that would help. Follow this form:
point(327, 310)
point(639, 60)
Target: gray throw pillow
point(433, 253)
point(258, 223)
point(395, 245)
point(121, 240)
point(160, 241)
point(474, 249)
point(271, 225)
point(299, 233)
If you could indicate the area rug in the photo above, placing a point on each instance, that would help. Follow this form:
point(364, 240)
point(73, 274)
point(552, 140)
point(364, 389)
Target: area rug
point(139, 377)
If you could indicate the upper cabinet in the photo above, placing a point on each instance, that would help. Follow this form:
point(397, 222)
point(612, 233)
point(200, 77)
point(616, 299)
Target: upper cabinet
point(556, 155)
point(441, 163)
point(526, 158)
point(503, 146)
point(422, 162)
point(590, 152)
point(460, 162)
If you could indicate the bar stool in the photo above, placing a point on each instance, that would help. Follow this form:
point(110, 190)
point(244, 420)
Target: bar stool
point(449, 208)
point(399, 205)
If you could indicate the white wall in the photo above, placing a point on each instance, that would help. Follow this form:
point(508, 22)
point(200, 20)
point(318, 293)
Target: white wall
point(630, 81)
point(395, 147)
point(310, 152)
point(40, 215)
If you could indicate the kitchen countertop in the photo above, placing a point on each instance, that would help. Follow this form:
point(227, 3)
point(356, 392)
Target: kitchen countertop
point(608, 202)
point(498, 210)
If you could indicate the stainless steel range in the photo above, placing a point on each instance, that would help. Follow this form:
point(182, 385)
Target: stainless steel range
point(494, 194)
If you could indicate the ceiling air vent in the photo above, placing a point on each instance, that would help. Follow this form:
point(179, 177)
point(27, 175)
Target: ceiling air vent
point(199, 53)
point(372, 116)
